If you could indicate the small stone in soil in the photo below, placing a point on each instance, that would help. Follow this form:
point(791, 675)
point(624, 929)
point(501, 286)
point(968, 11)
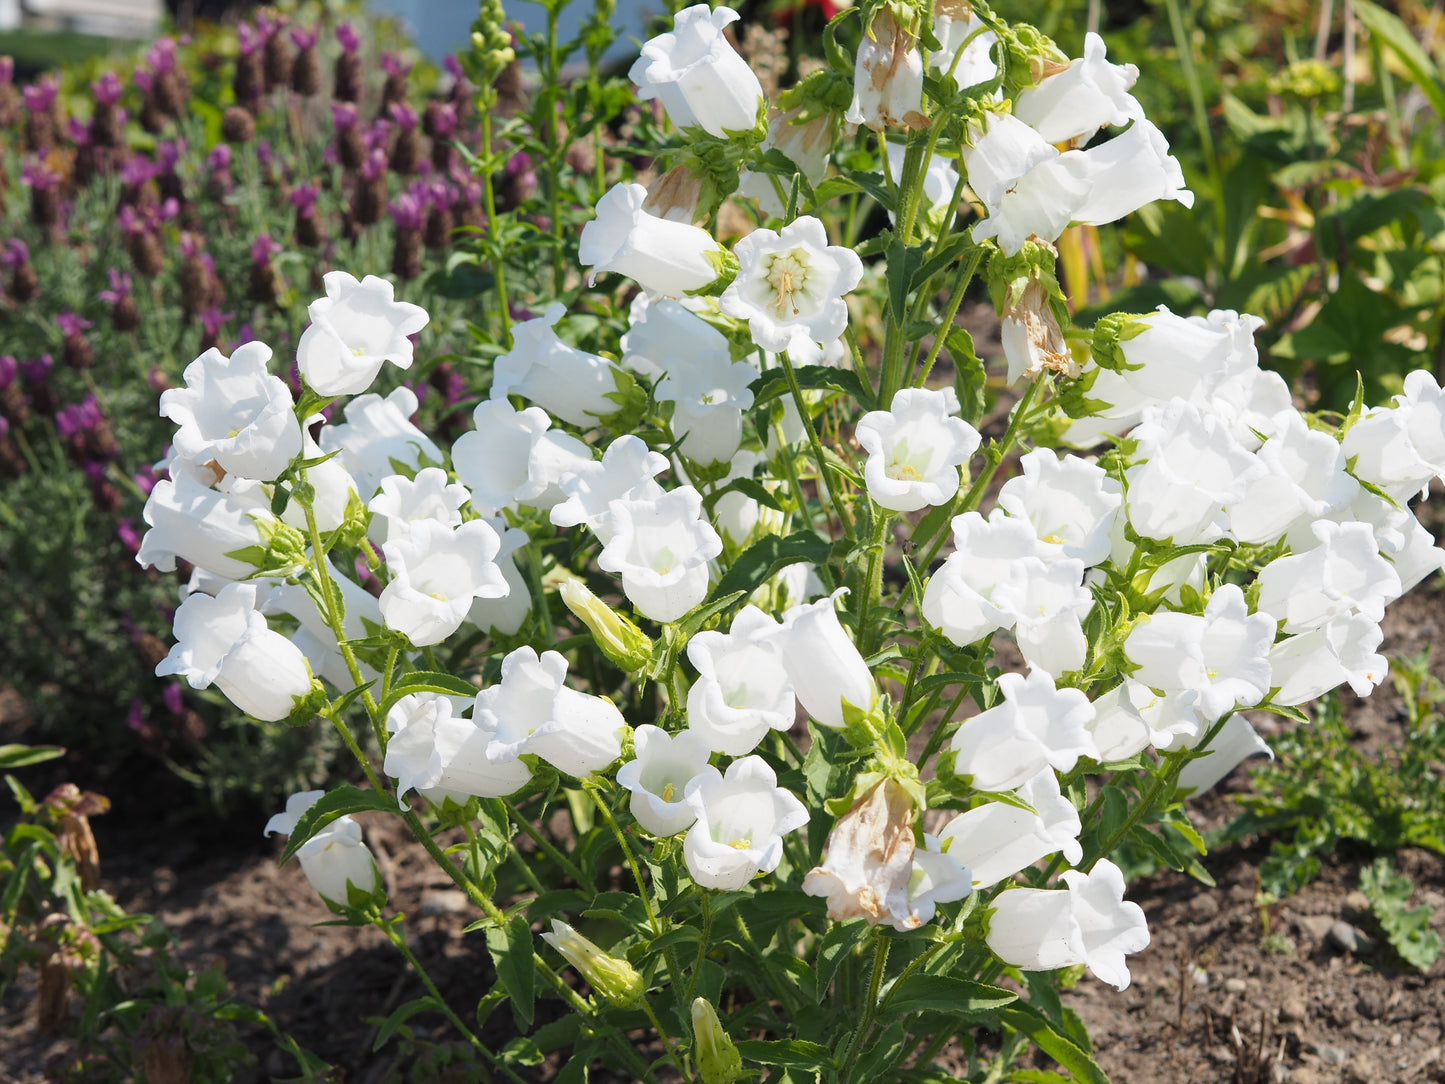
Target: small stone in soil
point(1332, 1055)
point(1370, 1005)
point(1344, 937)
point(1362, 1070)
point(1293, 1010)
point(1203, 907)
point(1235, 986)
point(448, 902)
point(1357, 901)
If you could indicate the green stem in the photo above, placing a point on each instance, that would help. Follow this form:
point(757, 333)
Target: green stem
point(494, 228)
point(546, 846)
point(1184, 45)
point(873, 585)
point(870, 1005)
point(955, 300)
point(823, 476)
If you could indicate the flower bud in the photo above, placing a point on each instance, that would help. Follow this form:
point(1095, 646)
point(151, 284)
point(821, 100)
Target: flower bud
point(620, 640)
point(718, 1061)
point(615, 979)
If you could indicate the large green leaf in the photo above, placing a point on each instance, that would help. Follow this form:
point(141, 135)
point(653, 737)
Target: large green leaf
point(1025, 1018)
point(511, 950)
point(1393, 33)
point(946, 994)
point(340, 802)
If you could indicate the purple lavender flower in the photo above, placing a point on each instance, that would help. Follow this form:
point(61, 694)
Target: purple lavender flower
point(7, 70)
point(374, 167)
point(120, 287)
point(40, 95)
point(174, 698)
point(145, 479)
point(249, 39)
point(403, 115)
point(135, 718)
point(213, 319)
point(37, 174)
point(263, 248)
point(168, 154)
point(137, 171)
point(395, 66)
point(344, 116)
point(408, 210)
point(443, 119)
point(16, 253)
point(304, 196)
point(348, 37)
point(161, 57)
point(144, 78)
point(72, 324)
point(305, 37)
point(78, 132)
point(107, 90)
point(9, 370)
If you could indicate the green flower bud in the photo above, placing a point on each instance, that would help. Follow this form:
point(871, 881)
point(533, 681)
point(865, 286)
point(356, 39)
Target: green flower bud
point(620, 640)
point(718, 1060)
point(615, 979)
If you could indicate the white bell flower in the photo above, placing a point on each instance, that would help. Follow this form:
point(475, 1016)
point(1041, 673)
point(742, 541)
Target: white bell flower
point(937, 878)
point(957, 28)
point(996, 840)
point(1118, 728)
point(376, 432)
point(790, 285)
point(510, 458)
point(1073, 505)
point(828, 673)
point(1175, 718)
point(1235, 743)
point(708, 403)
point(1343, 574)
point(626, 471)
point(568, 383)
point(659, 776)
point(1036, 726)
point(1070, 106)
point(504, 615)
point(315, 637)
point(354, 328)
point(664, 257)
point(697, 75)
point(436, 572)
point(1130, 171)
point(1028, 187)
point(532, 712)
point(234, 412)
point(1403, 541)
point(1222, 653)
point(1048, 612)
point(742, 690)
point(666, 332)
point(915, 448)
point(201, 526)
point(335, 856)
point(1306, 479)
point(887, 77)
point(1314, 662)
point(1091, 923)
point(1401, 448)
point(404, 501)
point(741, 820)
point(435, 752)
point(1187, 468)
point(958, 599)
point(225, 641)
point(661, 547)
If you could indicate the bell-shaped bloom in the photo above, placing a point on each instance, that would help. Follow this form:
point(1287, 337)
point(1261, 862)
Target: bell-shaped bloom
point(224, 640)
point(1235, 743)
point(611, 976)
point(1049, 609)
point(334, 857)
point(434, 751)
point(510, 458)
point(1174, 719)
point(1306, 479)
point(315, 637)
point(1343, 574)
point(376, 432)
point(1036, 726)
point(1027, 186)
point(1130, 171)
point(698, 76)
point(666, 332)
point(868, 861)
point(718, 1060)
point(1314, 662)
point(959, 597)
point(790, 285)
point(966, 45)
point(1223, 653)
point(742, 690)
point(436, 572)
point(807, 141)
point(887, 77)
point(236, 413)
point(504, 615)
point(532, 712)
point(625, 472)
point(1403, 541)
point(1256, 403)
point(828, 673)
point(664, 257)
point(1072, 503)
point(1119, 728)
point(404, 502)
point(1400, 448)
point(201, 526)
point(708, 403)
point(937, 878)
point(1073, 104)
point(996, 840)
point(661, 548)
point(1187, 468)
point(568, 383)
point(354, 328)
point(1091, 923)
point(915, 449)
point(659, 776)
point(741, 820)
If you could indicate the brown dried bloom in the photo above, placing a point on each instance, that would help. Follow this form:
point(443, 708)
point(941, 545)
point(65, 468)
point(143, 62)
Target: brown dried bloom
point(869, 860)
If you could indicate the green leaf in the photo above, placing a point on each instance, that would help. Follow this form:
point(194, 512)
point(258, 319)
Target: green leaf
point(1408, 929)
point(340, 802)
point(838, 944)
point(402, 1014)
point(944, 993)
point(767, 556)
point(511, 950)
point(22, 756)
point(773, 384)
point(427, 681)
point(1394, 33)
point(1028, 1020)
point(797, 1053)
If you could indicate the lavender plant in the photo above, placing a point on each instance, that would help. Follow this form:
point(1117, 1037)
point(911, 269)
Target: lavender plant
point(570, 648)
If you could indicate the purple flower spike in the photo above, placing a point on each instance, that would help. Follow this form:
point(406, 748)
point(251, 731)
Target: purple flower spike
point(213, 319)
point(304, 196)
point(144, 78)
point(119, 287)
point(9, 370)
point(135, 718)
point(444, 120)
point(453, 67)
point(40, 96)
point(78, 131)
point(175, 699)
point(344, 116)
point(394, 65)
point(348, 37)
point(16, 253)
point(408, 211)
point(249, 40)
point(145, 480)
point(375, 165)
point(7, 69)
point(263, 248)
point(36, 173)
point(162, 55)
point(404, 116)
point(107, 89)
point(72, 324)
point(137, 170)
point(219, 160)
point(305, 37)
point(168, 154)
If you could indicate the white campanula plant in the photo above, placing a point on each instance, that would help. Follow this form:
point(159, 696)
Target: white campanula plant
point(684, 650)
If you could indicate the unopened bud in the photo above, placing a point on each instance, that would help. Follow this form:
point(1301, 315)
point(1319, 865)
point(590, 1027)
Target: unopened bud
point(620, 640)
point(615, 979)
point(718, 1060)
